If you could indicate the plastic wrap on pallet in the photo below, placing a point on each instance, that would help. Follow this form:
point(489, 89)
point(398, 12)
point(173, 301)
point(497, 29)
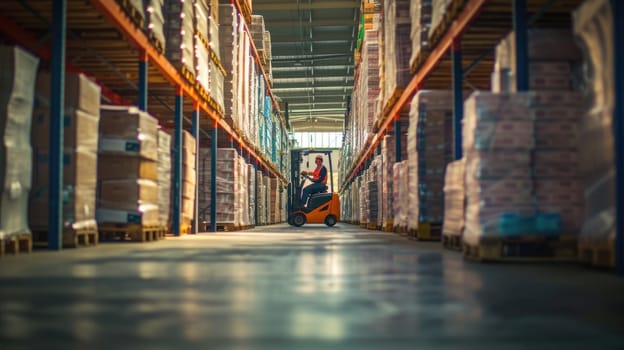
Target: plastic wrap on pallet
point(155, 20)
point(438, 11)
point(411, 168)
point(261, 199)
point(217, 85)
point(79, 156)
point(397, 46)
point(164, 177)
point(179, 27)
point(454, 198)
point(127, 130)
point(420, 13)
point(127, 194)
point(593, 25)
point(498, 139)
point(228, 38)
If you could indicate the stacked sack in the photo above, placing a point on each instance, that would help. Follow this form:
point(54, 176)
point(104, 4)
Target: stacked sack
point(127, 167)
point(420, 12)
point(80, 152)
point(179, 30)
point(454, 198)
point(189, 178)
point(18, 71)
point(164, 177)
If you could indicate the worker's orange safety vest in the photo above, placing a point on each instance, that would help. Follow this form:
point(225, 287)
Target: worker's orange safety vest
point(317, 174)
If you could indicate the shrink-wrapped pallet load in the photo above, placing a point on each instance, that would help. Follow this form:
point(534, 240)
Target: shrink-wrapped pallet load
point(397, 48)
point(454, 198)
point(80, 153)
point(420, 13)
point(229, 48)
point(18, 70)
point(227, 177)
point(164, 177)
point(155, 22)
point(179, 30)
point(189, 178)
point(127, 167)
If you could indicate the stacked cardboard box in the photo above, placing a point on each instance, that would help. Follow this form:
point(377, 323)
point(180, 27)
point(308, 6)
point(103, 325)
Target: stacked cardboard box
point(18, 70)
point(434, 145)
point(266, 180)
point(261, 199)
point(420, 13)
point(397, 46)
point(257, 31)
point(127, 167)
point(594, 25)
point(82, 114)
point(454, 198)
point(274, 201)
point(179, 30)
point(155, 23)
point(164, 177)
point(251, 190)
point(370, 75)
point(229, 32)
point(497, 144)
point(189, 177)
point(401, 194)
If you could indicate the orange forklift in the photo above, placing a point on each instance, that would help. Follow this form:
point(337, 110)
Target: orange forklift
point(323, 206)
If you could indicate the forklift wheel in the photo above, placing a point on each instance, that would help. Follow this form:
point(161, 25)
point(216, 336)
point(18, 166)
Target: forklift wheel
point(298, 219)
point(330, 220)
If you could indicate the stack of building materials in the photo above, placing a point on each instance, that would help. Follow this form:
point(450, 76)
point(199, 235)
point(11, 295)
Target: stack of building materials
point(363, 199)
point(155, 23)
point(229, 182)
point(266, 180)
point(229, 41)
point(420, 13)
point(400, 190)
point(179, 25)
point(382, 197)
point(18, 70)
point(127, 167)
point(268, 66)
point(548, 69)
point(274, 201)
point(251, 191)
point(434, 145)
point(257, 30)
point(189, 180)
point(593, 24)
point(370, 75)
point(397, 48)
point(388, 158)
point(454, 198)
point(201, 38)
point(164, 177)
point(497, 144)
point(80, 153)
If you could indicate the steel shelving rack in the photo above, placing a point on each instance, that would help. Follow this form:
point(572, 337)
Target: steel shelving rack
point(97, 38)
point(467, 46)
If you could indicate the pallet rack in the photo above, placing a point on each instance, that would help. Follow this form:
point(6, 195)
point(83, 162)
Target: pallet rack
point(98, 38)
point(463, 52)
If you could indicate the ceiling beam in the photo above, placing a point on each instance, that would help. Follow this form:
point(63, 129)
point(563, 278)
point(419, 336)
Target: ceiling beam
point(317, 5)
point(315, 23)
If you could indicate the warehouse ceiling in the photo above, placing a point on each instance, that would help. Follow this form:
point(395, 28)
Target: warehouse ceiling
point(312, 48)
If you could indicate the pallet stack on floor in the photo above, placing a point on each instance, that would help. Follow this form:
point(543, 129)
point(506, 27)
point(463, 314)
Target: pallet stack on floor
point(18, 70)
point(80, 158)
point(164, 180)
point(188, 181)
point(127, 190)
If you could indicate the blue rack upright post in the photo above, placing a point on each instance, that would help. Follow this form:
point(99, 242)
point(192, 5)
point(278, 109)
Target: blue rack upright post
point(521, 32)
point(618, 126)
point(213, 179)
point(57, 102)
point(458, 99)
point(142, 99)
point(177, 166)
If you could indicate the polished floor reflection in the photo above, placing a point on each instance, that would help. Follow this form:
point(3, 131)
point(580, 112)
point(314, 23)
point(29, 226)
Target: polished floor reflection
point(277, 287)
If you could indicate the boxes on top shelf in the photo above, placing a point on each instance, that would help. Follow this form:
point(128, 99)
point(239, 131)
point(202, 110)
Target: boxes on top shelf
point(155, 23)
point(164, 177)
point(397, 49)
point(420, 13)
point(179, 29)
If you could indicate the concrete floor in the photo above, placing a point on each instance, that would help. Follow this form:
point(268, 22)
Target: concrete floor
point(311, 288)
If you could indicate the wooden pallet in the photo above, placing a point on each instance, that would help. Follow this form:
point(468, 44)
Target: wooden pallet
point(371, 226)
point(131, 232)
point(16, 243)
point(72, 238)
point(534, 248)
point(451, 12)
point(597, 253)
point(363, 224)
point(452, 242)
point(387, 226)
point(132, 12)
point(158, 45)
point(426, 232)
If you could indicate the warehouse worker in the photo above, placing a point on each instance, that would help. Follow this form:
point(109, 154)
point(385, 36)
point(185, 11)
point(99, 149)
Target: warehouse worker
point(318, 178)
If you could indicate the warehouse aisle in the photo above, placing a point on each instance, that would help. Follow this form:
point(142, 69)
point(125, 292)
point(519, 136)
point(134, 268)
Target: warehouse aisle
point(311, 288)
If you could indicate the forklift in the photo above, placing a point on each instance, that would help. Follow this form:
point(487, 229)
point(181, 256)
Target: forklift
point(324, 206)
